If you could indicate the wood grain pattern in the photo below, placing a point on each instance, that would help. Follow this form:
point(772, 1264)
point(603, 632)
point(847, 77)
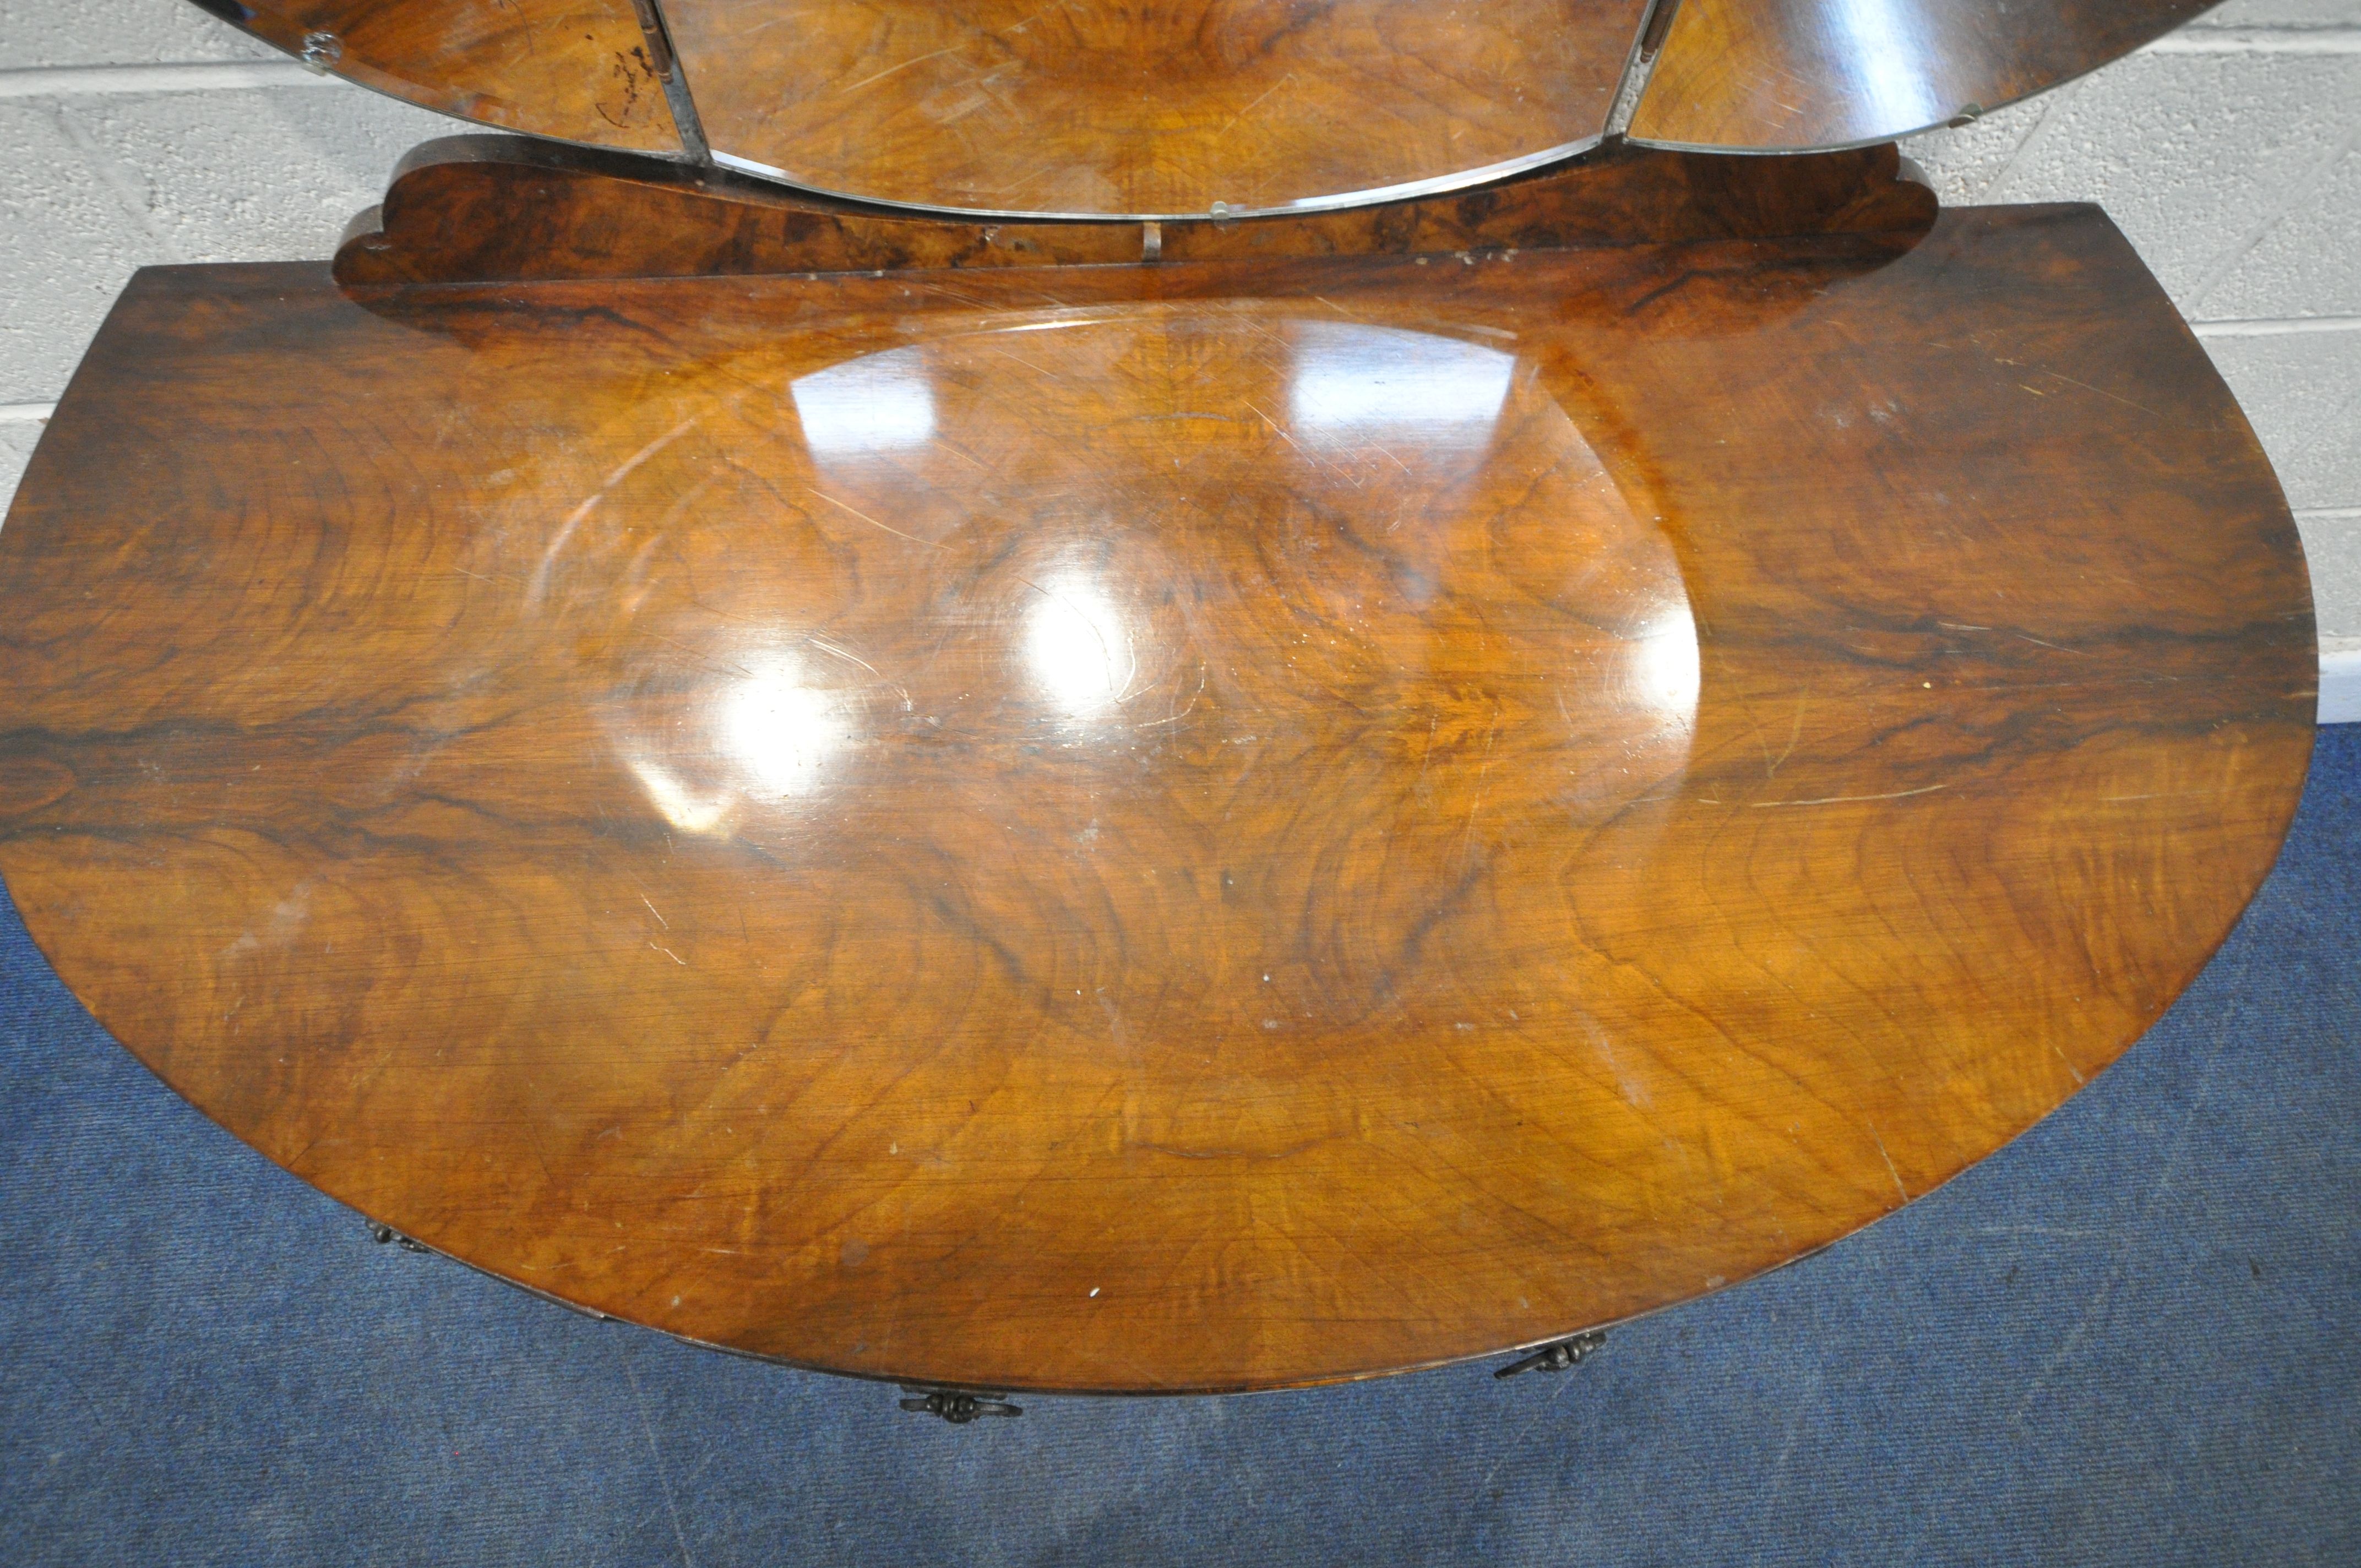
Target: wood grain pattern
point(1196, 827)
point(494, 209)
point(1784, 74)
point(580, 70)
point(1115, 107)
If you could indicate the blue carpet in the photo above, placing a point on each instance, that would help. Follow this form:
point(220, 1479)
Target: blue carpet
point(2129, 1337)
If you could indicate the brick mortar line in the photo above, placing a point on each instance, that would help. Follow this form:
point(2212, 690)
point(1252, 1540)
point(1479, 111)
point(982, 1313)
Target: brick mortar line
point(2274, 326)
point(201, 76)
point(2259, 40)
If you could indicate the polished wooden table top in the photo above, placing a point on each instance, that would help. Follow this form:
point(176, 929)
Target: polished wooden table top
point(1150, 827)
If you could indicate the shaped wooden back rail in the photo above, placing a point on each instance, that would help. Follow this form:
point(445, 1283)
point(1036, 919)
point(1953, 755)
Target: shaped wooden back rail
point(498, 209)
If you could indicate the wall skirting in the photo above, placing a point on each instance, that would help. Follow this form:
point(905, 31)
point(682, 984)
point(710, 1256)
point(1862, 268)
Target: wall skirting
point(2340, 682)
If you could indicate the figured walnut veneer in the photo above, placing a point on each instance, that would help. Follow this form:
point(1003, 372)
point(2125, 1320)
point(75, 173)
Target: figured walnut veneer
point(1127, 828)
point(487, 209)
point(1777, 75)
point(587, 70)
point(1145, 107)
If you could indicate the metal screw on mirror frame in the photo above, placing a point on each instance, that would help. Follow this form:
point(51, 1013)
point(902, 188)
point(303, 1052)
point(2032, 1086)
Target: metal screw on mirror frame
point(957, 1405)
point(321, 52)
point(1558, 1357)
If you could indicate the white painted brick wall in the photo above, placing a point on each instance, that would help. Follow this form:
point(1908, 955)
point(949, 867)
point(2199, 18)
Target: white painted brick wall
point(139, 131)
point(2231, 155)
point(116, 32)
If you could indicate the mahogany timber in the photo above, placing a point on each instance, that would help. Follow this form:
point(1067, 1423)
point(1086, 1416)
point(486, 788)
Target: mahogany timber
point(1112, 107)
point(1207, 825)
point(1776, 75)
point(490, 208)
point(585, 71)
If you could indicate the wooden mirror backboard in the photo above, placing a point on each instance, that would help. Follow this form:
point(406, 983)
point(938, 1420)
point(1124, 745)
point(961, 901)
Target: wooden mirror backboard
point(1150, 108)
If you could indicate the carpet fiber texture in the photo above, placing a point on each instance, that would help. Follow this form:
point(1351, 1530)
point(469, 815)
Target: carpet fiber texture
point(2128, 1337)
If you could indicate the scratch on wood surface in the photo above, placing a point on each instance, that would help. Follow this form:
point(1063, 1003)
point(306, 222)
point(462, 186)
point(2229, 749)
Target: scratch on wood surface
point(2071, 1067)
point(1794, 733)
point(1175, 718)
point(2104, 392)
point(873, 521)
point(1845, 799)
point(1252, 106)
point(826, 647)
point(1467, 839)
point(1878, 1139)
point(589, 502)
point(1310, 456)
point(905, 65)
